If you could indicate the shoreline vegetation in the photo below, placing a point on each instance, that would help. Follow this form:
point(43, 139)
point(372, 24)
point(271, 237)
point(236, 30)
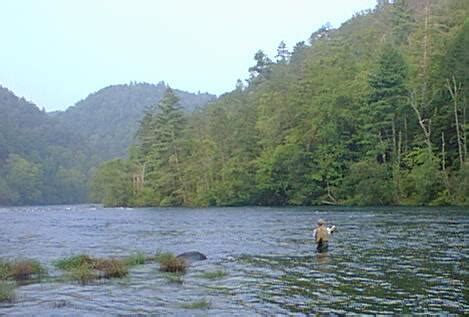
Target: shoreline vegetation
point(371, 113)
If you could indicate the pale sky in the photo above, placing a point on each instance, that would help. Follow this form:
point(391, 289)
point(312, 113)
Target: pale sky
point(56, 52)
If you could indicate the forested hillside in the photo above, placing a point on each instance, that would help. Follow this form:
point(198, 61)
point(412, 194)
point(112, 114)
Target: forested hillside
point(38, 162)
point(371, 113)
point(108, 119)
point(49, 158)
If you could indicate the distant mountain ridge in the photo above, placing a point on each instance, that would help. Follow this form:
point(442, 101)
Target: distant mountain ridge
point(46, 158)
point(107, 120)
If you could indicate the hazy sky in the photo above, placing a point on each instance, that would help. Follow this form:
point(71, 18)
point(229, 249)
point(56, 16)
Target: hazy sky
point(56, 52)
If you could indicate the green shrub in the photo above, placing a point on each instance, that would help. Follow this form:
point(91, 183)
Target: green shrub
point(369, 183)
point(460, 185)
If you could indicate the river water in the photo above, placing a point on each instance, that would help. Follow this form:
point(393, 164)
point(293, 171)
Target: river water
point(380, 260)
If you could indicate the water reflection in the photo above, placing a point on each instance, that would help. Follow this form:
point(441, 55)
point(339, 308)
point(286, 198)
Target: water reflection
point(322, 258)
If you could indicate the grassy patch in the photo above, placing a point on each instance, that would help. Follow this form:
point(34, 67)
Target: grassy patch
point(213, 275)
point(26, 269)
point(83, 274)
point(84, 268)
point(21, 270)
point(163, 256)
point(170, 263)
point(7, 292)
point(4, 270)
point(111, 268)
point(74, 262)
point(200, 304)
point(135, 259)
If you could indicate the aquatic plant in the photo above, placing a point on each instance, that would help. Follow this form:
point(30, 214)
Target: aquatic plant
point(163, 256)
point(83, 274)
point(21, 270)
point(25, 269)
point(7, 292)
point(111, 268)
point(84, 268)
point(170, 263)
point(200, 304)
point(4, 270)
point(136, 259)
point(74, 262)
point(213, 275)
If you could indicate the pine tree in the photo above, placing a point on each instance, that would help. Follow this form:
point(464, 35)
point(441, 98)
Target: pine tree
point(387, 101)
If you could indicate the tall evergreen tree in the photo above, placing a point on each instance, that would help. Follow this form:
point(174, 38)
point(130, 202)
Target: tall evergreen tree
point(387, 102)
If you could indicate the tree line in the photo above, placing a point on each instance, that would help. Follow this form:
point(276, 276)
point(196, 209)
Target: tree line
point(371, 113)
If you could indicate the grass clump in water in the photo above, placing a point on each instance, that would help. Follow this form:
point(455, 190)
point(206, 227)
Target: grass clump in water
point(170, 263)
point(4, 270)
point(84, 268)
point(213, 275)
point(111, 268)
point(135, 259)
point(7, 292)
point(200, 304)
point(83, 274)
point(21, 270)
point(74, 262)
point(163, 256)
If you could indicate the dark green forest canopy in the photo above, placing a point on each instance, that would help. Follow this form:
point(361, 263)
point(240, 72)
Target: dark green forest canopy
point(372, 113)
point(48, 158)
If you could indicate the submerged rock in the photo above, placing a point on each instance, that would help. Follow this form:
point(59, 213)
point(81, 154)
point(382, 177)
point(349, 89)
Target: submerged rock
point(192, 256)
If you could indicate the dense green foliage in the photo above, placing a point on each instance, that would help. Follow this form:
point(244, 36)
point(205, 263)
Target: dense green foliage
point(372, 113)
point(38, 163)
point(107, 120)
point(49, 158)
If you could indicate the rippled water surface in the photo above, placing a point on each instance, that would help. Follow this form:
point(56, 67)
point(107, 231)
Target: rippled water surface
point(380, 260)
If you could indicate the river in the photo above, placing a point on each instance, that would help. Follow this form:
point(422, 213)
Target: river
point(380, 260)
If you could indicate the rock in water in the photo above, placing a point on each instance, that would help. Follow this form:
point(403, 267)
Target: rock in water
point(192, 256)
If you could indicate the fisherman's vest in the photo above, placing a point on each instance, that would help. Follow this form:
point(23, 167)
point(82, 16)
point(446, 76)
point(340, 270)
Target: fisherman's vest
point(322, 234)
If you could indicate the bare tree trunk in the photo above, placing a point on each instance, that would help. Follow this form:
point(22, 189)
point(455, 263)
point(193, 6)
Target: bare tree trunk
point(443, 157)
point(394, 139)
point(383, 155)
point(426, 129)
point(329, 194)
point(406, 141)
point(425, 124)
point(453, 90)
point(397, 173)
point(426, 48)
point(464, 128)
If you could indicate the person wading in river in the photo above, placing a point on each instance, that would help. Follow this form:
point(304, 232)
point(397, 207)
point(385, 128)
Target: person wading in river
point(321, 236)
